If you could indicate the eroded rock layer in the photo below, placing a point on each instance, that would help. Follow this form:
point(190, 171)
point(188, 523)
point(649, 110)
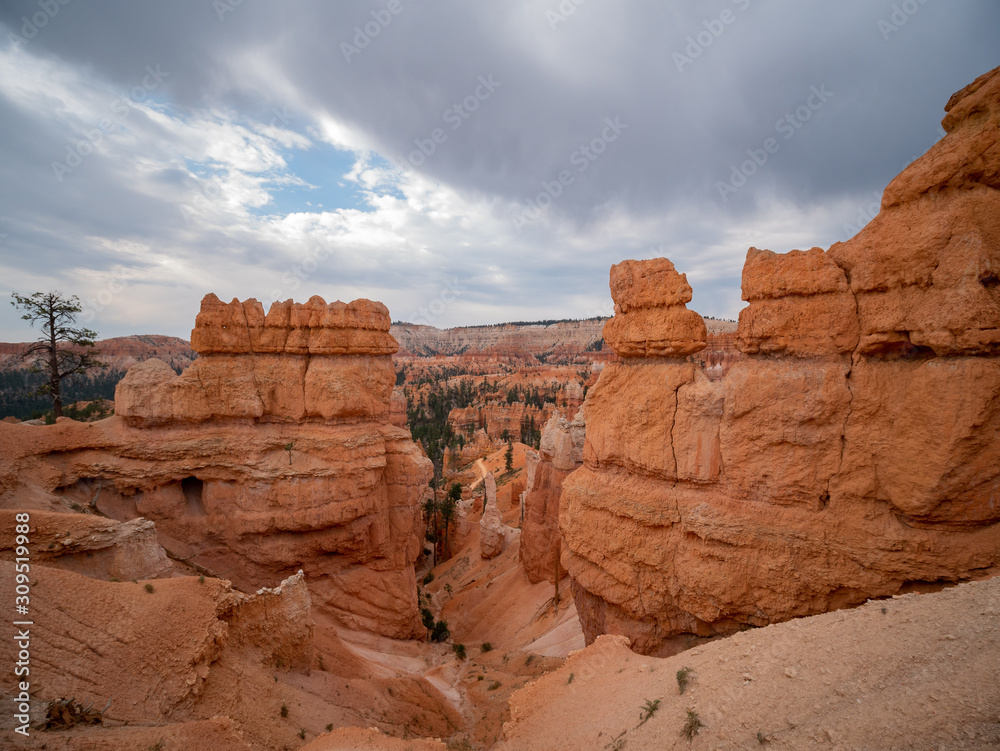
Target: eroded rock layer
point(273, 452)
point(560, 452)
point(854, 452)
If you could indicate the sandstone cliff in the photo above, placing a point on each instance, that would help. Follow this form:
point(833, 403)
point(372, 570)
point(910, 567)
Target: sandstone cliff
point(564, 338)
point(119, 353)
point(273, 452)
point(560, 452)
point(853, 452)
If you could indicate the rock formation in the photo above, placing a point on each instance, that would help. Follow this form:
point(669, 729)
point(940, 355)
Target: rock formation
point(152, 665)
point(854, 452)
point(561, 452)
point(89, 545)
point(553, 340)
point(119, 353)
point(492, 530)
point(272, 452)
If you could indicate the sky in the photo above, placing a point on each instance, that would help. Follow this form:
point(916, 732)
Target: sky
point(462, 161)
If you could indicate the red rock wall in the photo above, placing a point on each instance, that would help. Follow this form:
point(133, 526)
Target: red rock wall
point(854, 452)
point(273, 452)
point(561, 452)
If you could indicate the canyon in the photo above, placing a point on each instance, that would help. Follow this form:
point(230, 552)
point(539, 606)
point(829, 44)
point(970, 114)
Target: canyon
point(315, 529)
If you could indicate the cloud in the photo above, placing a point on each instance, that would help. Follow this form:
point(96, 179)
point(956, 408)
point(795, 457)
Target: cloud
point(245, 152)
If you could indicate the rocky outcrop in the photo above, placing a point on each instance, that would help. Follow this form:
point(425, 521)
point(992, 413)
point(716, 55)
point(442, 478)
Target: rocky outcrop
point(492, 530)
point(89, 545)
point(854, 452)
point(651, 316)
point(153, 664)
point(720, 354)
point(561, 339)
point(498, 419)
point(119, 353)
point(561, 452)
point(397, 408)
point(273, 452)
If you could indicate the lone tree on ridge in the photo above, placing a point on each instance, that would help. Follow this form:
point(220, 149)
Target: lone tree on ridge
point(62, 350)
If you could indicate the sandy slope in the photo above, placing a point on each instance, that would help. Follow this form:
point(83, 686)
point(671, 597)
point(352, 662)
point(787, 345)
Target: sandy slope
point(911, 672)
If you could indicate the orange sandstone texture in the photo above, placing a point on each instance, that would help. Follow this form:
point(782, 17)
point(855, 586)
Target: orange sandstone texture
point(273, 452)
point(651, 315)
point(561, 452)
point(853, 452)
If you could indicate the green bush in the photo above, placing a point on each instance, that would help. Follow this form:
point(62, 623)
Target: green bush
point(440, 632)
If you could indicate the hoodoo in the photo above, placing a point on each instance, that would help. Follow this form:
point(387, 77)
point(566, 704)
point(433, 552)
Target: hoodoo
point(854, 452)
point(273, 452)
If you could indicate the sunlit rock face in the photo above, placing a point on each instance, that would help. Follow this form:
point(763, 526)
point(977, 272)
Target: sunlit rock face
point(852, 452)
point(274, 451)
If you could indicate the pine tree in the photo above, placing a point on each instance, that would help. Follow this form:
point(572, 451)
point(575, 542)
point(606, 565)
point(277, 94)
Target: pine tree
point(62, 350)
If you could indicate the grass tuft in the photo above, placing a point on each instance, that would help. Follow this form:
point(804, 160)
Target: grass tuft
point(683, 678)
point(648, 709)
point(692, 725)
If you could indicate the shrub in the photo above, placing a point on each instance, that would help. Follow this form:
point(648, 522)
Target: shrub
point(440, 632)
point(284, 710)
point(683, 677)
point(494, 686)
point(459, 650)
point(149, 588)
point(692, 725)
point(487, 647)
point(428, 578)
point(648, 709)
point(427, 617)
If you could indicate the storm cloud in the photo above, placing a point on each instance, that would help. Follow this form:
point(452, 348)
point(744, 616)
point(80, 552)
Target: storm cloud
point(403, 150)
